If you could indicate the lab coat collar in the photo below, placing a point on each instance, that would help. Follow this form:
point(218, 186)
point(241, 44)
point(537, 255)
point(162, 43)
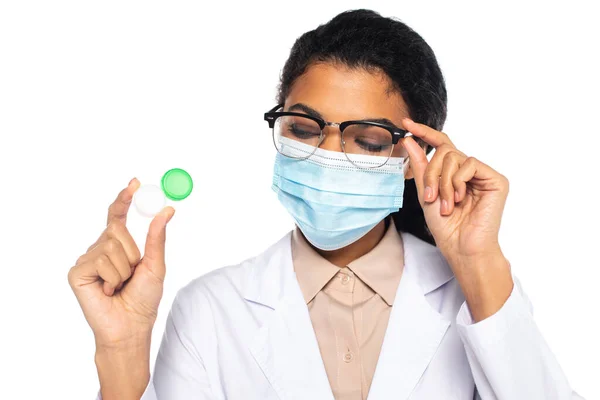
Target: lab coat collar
point(285, 346)
point(430, 267)
point(415, 330)
point(268, 272)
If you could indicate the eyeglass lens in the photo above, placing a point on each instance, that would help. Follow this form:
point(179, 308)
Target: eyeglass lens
point(357, 139)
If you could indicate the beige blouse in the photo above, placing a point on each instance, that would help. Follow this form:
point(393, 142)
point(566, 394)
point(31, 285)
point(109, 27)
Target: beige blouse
point(349, 308)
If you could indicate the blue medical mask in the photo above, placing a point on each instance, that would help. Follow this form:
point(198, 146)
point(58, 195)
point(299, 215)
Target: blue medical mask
point(333, 202)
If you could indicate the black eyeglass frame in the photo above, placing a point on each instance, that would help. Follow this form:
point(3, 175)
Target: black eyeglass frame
point(272, 115)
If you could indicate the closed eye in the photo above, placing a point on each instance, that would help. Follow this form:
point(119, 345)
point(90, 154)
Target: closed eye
point(303, 132)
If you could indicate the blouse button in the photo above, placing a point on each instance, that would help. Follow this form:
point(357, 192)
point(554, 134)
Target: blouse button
point(348, 357)
point(345, 279)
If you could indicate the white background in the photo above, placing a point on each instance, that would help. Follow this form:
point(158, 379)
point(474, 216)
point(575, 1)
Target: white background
point(95, 93)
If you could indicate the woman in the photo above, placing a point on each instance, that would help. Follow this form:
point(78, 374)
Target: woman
point(393, 284)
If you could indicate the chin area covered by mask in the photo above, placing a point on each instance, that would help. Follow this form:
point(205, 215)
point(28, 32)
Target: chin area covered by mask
point(333, 202)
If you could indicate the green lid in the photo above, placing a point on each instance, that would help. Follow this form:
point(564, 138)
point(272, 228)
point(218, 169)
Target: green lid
point(176, 184)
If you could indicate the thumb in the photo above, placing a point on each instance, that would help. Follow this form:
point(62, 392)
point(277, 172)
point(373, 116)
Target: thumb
point(154, 254)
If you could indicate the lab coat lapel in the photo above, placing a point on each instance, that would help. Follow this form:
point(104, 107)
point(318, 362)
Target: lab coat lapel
point(285, 347)
point(415, 330)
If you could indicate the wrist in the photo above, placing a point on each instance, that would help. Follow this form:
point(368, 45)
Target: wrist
point(486, 282)
point(140, 340)
point(123, 372)
point(490, 255)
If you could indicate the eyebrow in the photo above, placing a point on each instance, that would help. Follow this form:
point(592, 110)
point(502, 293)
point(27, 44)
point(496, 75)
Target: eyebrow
point(314, 113)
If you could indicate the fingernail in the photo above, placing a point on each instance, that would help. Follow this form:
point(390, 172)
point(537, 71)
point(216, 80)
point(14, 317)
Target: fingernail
point(456, 196)
point(134, 180)
point(444, 206)
point(428, 193)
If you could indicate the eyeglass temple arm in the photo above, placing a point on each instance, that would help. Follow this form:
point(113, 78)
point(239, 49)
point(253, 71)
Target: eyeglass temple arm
point(269, 118)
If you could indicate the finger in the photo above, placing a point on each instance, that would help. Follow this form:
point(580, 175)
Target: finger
point(117, 230)
point(418, 164)
point(111, 249)
point(434, 171)
point(480, 175)
point(108, 273)
point(100, 239)
point(451, 164)
point(460, 189)
point(118, 209)
point(426, 133)
point(95, 270)
point(154, 253)
point(116, 254)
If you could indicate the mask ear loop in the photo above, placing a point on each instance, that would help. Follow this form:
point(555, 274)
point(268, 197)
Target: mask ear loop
point(405, 166)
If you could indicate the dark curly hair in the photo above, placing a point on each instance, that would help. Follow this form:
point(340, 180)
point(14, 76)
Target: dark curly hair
point(364, 39)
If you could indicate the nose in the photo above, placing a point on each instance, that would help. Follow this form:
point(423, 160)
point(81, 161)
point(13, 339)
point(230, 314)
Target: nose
point(332, 140)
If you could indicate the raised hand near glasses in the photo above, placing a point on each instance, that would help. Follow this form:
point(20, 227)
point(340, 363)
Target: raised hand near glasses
point(463, 200)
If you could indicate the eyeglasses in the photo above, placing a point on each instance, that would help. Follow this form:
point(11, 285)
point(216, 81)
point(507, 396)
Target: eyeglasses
point(358, 138)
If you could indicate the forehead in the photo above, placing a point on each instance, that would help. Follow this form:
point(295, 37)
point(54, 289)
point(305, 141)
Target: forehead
point(340, 93)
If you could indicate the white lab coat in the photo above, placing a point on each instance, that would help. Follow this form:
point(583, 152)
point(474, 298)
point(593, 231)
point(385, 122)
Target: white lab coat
point(244, 332)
